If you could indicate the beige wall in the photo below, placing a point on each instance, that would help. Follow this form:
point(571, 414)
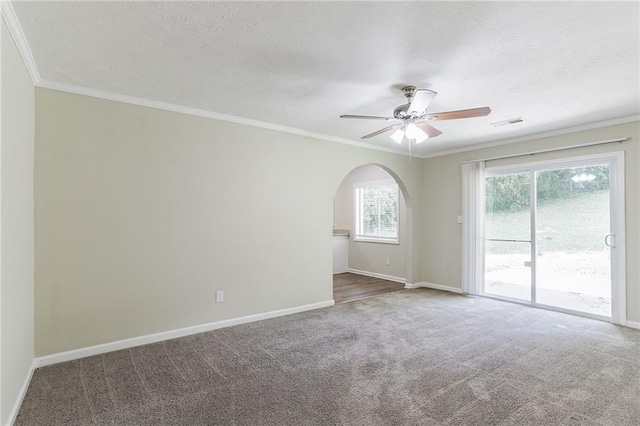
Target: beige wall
point(16, 223)
point(441, 189)
point(142, 214)
point(367, 256)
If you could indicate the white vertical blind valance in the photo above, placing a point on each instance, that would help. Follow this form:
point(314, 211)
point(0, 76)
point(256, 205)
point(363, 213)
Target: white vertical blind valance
point(472, 226)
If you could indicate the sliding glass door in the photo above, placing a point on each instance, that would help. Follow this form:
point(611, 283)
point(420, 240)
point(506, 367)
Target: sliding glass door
point(508, 236)
point(573, 227)
point(552, 235)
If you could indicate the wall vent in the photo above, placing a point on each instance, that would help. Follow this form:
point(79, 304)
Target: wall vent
point(507, 122)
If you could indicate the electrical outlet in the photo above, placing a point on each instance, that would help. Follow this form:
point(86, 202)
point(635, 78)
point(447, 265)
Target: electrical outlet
point(388, 262)
point(219, 296)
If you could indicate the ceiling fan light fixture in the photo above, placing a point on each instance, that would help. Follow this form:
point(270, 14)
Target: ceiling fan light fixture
point(398, 135)
point(415, 132)
point(422, 138)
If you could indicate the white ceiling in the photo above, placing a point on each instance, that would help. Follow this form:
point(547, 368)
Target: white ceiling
point(302, 64)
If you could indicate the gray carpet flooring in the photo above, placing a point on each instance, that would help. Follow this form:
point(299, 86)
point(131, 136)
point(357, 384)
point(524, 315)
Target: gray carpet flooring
point(411, 357)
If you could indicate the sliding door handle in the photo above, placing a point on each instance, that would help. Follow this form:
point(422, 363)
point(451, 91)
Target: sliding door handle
point(609, 240)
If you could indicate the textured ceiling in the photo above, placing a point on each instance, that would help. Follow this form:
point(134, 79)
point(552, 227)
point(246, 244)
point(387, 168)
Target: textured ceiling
point(302, 64)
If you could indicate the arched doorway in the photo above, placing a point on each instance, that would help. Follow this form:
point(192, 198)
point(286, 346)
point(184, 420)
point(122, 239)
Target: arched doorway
point(371, 234)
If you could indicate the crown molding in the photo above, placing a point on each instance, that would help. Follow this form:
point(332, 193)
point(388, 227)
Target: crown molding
point(101, 94)
point(95, 93)
point(535, 136)
point(21, 42)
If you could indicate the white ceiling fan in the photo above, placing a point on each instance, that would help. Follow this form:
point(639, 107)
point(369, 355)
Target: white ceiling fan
point(413, 117)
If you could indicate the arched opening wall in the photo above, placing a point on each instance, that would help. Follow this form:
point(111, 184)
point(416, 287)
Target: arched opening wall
point(385, 260)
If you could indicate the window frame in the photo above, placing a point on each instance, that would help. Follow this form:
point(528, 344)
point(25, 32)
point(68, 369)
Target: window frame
point(357, 236)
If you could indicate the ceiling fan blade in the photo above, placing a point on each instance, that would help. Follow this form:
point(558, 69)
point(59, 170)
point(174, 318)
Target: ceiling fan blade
point(431, 131)
point(386, 129)
point(421, 100)
point(463, 113)
point(367, 117)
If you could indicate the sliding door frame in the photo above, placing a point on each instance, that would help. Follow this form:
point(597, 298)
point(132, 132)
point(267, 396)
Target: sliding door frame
point(615, 161)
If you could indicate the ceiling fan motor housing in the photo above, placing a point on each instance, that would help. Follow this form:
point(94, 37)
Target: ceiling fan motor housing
point(401, 111)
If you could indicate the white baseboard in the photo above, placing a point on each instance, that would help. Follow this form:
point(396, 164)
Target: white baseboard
point(376, 275)
point(171, 334)
point(633, 324)
point(23, 391)
point(434, 286)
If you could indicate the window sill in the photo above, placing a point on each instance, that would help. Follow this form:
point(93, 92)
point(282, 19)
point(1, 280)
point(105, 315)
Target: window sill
point(375, 240)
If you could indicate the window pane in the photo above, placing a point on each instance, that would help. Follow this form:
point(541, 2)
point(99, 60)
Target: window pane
point(388, 211)
point(369, 211)
point(378, 211)
point(508, 236)
point(573, 263)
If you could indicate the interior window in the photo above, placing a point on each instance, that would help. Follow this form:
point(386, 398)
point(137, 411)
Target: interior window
point(376, 211)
